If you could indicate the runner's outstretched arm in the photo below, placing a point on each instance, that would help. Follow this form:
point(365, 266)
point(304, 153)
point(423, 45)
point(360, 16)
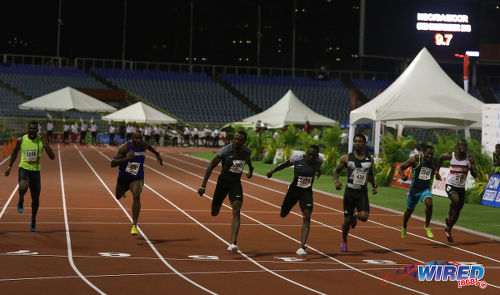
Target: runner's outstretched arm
point(13, 155)
point(279, 167)
point(336, 173)
point(157, 154)
point(441, 159)
point(250, 168)
point(211, 166)
point(48, 149)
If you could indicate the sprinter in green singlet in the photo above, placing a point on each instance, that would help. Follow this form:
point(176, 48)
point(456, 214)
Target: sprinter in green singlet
point(31, 146)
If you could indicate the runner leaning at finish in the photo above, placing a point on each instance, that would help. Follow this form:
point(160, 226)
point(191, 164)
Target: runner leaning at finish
point(359, 172)
point(460, 164)
point(130, 159)
point(233, 156)
point(305, 167)
point(31, 146)
point(422, 172)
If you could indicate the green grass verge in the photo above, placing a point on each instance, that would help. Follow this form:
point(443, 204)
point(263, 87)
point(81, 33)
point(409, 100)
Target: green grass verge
point(473, 216)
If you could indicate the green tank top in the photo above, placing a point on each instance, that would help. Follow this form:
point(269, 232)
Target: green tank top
point(31, 153)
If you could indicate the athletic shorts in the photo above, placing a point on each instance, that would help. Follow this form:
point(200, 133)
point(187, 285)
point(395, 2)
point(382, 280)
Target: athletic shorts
point(355, 199)
point(413, 199)
point(224, 188)
point(460, 192)
point(294, 195)
point(124, 183)
point(33, 178)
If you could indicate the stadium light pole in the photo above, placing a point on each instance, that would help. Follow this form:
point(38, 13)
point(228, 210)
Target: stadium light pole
point(191, 4)
point(59, 23)
point(124, 31)
point(259, 36)
point(294, 22)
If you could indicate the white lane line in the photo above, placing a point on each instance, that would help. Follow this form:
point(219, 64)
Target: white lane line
point(66, 225)
point(3, 161)
point(191, 273)
point(283, 234)
point(8, 201)
point(212, 232)
point(333, 209)
point(140, 231)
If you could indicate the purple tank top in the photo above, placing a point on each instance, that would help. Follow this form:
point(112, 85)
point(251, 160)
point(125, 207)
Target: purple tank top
point(133, 169)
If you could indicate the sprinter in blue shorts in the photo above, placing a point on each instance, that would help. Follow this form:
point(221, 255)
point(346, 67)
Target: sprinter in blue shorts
point(422, 175)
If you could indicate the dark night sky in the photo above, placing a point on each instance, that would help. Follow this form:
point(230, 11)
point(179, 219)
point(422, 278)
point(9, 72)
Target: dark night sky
point(159, 30)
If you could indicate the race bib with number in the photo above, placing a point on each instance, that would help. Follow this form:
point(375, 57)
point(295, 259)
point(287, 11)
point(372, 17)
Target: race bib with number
point(31, 155)
point(425, 173)
point(237, 166)
point(304, 181)
point(359, 177)
point(133, 168)
point(460, 179)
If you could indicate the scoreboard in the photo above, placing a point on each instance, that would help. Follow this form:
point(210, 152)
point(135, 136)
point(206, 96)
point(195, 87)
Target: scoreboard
point(402, 28)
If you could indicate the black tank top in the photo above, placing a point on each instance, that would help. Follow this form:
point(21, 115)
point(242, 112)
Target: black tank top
point(357, 171)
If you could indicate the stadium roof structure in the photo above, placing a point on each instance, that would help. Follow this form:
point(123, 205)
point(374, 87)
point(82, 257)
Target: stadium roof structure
point(423, 92)
point(140, 113)
point(66, 99)
point(289, 109)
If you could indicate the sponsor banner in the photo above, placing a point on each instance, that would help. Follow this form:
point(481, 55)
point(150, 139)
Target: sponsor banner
point(491, 196)
point(397, 180)
point(438, 186)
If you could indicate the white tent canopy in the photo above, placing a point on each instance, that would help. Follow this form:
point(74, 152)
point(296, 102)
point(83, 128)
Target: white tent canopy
point(140, 113)
point(67, 99)
point(423, 92)
point(289, 109)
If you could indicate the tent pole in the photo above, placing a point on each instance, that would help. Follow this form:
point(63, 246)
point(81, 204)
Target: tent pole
point(466, 130)
point(400, 130)
point(352, 128)
point(376, 142)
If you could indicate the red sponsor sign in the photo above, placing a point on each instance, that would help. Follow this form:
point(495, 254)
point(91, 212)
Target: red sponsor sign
point(397, 180)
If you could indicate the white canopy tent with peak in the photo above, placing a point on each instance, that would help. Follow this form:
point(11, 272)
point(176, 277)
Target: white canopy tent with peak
point(66, 99)
point(140, 113)
point(423, 92)
point(289, 109)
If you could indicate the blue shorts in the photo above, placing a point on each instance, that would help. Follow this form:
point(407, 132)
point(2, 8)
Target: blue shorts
point(412, 200)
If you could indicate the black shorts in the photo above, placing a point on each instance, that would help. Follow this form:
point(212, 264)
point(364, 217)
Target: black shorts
point(33, 178)
point(355, 199)
point(124, 183)
point(460, 192)
point(294, 195)
point(224, 188)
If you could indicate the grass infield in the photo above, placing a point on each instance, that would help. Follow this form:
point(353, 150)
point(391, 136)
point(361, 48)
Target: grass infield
point(473, 216)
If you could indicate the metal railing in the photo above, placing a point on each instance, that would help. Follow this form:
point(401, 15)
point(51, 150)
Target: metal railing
point(35, 60)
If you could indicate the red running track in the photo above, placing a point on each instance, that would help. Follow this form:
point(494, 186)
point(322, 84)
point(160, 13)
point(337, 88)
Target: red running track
point(83, 244)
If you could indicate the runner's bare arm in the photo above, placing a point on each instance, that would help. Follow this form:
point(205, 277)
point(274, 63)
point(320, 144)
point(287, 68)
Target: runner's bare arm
point(318, 173)
point(122, 156)
point(410, 162)
point(279, 167)
point(215, 161)
point(440, 160)
point(48, 149)
point(371, 178)
point(472, 167)
point(157, 154)
point(342, 164)
point(250, 168)
point(13, 155)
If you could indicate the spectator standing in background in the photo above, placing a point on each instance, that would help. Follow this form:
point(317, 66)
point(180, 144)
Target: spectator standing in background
point(83, 133)
point(50, 129)
point(186, 135)
point(129, 132)
point(156, 134)
point(196, 136)
point(39, 128)
point(111, 134)
point(308, 127)
point(74, 129)
point(93, 131)
point(147, 134)
point(121, 131)
point(206, 135)
point(216, 137)
point(66, 132)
